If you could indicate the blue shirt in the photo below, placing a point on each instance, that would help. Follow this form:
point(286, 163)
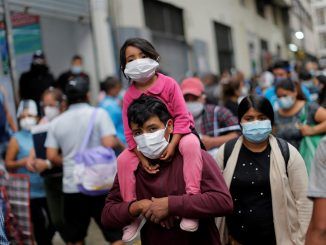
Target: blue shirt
point(25, 142)
point(111, 105)
point(270, 94)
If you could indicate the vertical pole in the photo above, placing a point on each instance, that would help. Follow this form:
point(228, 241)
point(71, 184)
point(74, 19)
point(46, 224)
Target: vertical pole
point(11, 50)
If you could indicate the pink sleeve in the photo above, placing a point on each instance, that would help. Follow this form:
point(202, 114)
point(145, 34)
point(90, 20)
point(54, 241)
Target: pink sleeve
point(182, 119)
point(128, 133)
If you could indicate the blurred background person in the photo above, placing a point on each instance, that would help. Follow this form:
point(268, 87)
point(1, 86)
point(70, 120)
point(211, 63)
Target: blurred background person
point(317, 192)
point(262, 188)
point(7, 123)
point(76, 69)
point(112, 103)
point(294, 109)
point(34, 82)
point(212, 88)
point(282, 70)
point(53, 104)
point(309, 81)
point(322, 90)
point(17, 160)
point(215, 124)
point(265, 81)
point(231, 92)
point(63, 141)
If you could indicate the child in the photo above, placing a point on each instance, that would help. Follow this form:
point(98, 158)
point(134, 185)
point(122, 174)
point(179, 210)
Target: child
point(138, 60)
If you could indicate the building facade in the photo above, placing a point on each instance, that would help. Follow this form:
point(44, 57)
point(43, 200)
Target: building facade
point(319, 13)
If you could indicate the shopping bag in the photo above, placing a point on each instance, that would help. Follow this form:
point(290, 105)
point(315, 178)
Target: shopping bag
point(15, 190)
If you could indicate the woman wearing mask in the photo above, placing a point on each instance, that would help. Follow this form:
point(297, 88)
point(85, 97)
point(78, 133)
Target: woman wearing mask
point(295, 114)
point(17, 159)
point(53, 103)
point(269, 194)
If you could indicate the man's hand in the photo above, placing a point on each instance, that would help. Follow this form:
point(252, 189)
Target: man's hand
point(158, 210)
point(168, 152)
point(168, 223)
point(208, 141)
point(138, 207)
point(148, 167)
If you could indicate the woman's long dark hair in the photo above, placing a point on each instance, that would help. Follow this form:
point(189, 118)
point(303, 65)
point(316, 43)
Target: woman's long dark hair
point(259, 103)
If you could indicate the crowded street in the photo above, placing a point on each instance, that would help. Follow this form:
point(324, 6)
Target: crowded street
point(163, 122)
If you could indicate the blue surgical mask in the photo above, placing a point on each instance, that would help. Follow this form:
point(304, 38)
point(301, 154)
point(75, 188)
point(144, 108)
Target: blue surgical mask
point(256, 131)
point(286, 102)
point(76, 69)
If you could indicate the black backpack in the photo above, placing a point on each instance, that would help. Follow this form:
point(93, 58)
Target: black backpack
point(282, 144)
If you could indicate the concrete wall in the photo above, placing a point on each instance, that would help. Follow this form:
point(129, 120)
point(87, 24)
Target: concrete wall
point(199, 17)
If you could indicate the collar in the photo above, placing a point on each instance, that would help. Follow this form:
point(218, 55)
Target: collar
point(78, 105)
point(155, 89)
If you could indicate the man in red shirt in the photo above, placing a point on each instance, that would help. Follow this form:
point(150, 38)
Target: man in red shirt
point(161, 197)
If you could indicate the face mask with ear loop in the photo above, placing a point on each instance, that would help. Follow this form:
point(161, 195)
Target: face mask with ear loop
point(141, 70)
point(152, 145)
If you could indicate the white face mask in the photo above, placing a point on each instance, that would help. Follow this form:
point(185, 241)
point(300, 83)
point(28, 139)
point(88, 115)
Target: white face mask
point(27, 123)
point(141, 70)
point(195, 108)
point(152, 145)
point(51, 112)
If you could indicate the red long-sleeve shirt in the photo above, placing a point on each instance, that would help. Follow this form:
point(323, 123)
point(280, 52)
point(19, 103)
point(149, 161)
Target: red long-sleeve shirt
point(214, 200)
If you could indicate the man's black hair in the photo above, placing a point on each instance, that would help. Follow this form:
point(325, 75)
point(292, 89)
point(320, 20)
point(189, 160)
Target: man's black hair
point(282, 64)
point(110, 83)
point(76, 57)
point(145, 107)
point(76, 90)
point(259, 103)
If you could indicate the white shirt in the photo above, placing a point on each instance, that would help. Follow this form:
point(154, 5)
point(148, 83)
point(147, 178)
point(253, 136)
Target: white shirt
point(67, 133)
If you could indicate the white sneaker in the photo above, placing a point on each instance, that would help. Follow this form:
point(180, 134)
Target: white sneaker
point(190, 225)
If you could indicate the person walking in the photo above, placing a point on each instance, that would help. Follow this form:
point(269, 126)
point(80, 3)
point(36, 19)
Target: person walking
point(267, 179)
point(65, 135)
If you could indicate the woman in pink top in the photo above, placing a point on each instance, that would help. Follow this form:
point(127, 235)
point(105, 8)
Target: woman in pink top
point(139, 64)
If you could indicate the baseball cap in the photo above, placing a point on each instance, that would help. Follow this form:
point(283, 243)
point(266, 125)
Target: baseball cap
point(192, 85)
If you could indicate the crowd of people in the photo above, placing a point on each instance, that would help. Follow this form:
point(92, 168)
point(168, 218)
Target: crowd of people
point(212, 159)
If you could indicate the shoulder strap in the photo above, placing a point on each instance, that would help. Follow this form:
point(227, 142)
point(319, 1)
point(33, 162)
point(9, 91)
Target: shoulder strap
point(284, 147)
point(228, 148)
point(89, 130)
point(216, 126)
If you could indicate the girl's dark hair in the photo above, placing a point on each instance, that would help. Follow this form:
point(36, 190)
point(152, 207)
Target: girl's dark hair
point(145, 46)
point(145, 107)
point(110, 83)
point(259, 103)
point(288, 84)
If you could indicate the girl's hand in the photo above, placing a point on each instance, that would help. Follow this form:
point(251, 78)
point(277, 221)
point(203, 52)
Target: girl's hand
point(30, 164)
point(148, 167)
point(40, 165)
point(168, 153)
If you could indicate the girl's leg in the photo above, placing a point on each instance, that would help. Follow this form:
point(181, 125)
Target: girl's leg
point(189, 148)
point(127, 164)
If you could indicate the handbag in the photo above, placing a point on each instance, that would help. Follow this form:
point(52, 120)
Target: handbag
point(308, 144)
point(15, 194)
point(96, 167)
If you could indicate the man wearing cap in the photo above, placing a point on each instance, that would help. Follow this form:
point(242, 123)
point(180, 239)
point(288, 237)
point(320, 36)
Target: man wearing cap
point(66, 134)
point(215, 124)
point(34, 82)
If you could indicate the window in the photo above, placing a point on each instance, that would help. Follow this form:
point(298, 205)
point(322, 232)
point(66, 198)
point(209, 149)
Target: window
point(275, 14)
point(322, 40)
point(163, 18)
point(260, 7)
point(243, 2)
point(320, 16)
point(224, 46)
